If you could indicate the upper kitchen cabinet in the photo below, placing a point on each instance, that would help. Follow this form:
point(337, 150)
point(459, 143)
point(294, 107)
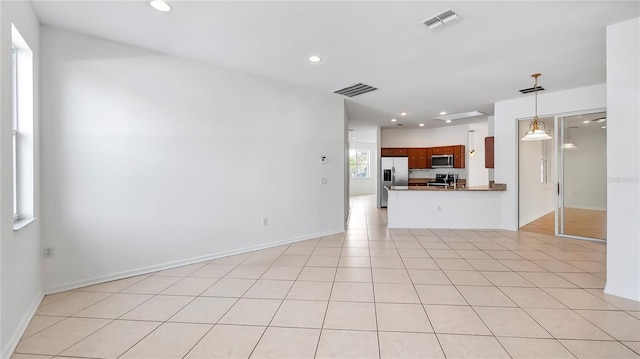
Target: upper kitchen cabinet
point(457, 151)
point(393, 152)
point(488, 152)
point(400, 152)
point(386, 152)
point(458, 156)
point(417, 158)
point(420, 158)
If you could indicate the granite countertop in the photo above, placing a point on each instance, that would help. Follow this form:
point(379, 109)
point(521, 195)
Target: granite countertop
point(448, 189)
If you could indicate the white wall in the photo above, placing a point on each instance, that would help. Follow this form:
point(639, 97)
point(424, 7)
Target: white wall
point(152, 161)
point(623, 159)
point(365, 185)
point(478, 174)
point(585, 169)
point(507, 138)
point(444, 209)
point(20, 261)
point(431, 137)
point(536, 199)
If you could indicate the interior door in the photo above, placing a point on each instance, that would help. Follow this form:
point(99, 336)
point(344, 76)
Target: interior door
point(582, 176)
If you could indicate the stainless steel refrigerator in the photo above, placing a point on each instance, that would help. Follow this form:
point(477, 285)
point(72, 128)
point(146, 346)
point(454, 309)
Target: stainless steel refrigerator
point(394, 171)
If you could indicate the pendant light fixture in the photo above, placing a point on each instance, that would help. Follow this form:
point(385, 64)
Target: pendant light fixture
point(535, 133)
point(472, 143)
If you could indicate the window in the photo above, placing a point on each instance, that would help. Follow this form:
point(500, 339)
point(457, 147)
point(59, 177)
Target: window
point(544, 162)
point(14, 128)
point(359, 163)
point(22, 130)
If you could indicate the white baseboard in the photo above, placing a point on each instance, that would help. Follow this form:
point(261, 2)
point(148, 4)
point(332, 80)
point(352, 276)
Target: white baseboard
point(592, 208)
point(150, 269)
point(24, 323)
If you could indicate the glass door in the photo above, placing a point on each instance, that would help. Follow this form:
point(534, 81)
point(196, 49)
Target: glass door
point(582, 176)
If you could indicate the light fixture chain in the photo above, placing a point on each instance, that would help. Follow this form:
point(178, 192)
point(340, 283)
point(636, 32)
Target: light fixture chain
point(535, 91)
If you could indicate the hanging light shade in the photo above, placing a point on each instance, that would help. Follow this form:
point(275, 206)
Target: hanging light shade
point(472, 143)
point(535, 133)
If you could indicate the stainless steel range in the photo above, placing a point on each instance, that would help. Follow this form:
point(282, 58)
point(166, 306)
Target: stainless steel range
point(444, 180)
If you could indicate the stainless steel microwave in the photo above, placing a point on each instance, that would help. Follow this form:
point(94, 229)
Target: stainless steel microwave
point(441, 161)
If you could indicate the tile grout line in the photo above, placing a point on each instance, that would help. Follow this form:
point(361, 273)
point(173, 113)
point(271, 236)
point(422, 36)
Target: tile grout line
point(282, 301)
point(424, 309)
point(225, 313)
point(561, 255)
point(315, 353)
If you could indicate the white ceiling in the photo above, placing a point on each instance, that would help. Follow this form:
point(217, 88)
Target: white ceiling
point(485, 57)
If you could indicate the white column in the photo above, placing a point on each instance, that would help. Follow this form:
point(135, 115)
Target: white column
point(623, 159)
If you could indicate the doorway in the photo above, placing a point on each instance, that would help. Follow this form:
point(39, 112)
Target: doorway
point(536, 177)
point(562, 181)
point(582, 175)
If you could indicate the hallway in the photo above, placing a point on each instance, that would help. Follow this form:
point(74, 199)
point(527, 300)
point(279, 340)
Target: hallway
point(578, 222)
point(367, 293)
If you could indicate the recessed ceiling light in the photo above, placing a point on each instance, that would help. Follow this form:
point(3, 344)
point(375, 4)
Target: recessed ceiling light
point(353, 138)
point(443, 113)
point(586, 121)
point(403, 113)
point(421, 125)
point(393, 120)
point(603, 127)
point(601, 120)
point(315, 58)
point(448, 121)
point(160, 5)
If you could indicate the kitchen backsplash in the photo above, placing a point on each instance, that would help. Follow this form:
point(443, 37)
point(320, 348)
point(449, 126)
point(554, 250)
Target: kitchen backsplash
point(431, 173)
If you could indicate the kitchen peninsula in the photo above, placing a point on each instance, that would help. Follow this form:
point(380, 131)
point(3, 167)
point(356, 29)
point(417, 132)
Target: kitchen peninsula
point(438, 207)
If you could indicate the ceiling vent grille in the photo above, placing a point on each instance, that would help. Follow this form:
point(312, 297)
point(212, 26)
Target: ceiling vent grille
point(355, 90)
point(443, 19)
point(531, 89)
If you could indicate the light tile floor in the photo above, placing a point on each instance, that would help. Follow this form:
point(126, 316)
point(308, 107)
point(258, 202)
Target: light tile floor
point(371, 292)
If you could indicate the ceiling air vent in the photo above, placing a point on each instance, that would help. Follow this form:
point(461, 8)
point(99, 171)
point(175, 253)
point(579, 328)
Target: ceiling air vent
point(355, 90)
point(531, 89)
point(443, 19)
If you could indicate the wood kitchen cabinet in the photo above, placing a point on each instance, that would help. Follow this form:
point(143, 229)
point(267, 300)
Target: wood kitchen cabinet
point(458, 156)
point(488, 152)
point(400, 152)
point(420, 158)
point(417, 158)
point(386, 152)
point(393, 152)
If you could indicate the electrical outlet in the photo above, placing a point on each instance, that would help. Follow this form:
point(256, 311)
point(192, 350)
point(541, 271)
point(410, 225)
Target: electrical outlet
point(324, 180)
point(439, 208)
point(47, 253)
point(265, 221)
